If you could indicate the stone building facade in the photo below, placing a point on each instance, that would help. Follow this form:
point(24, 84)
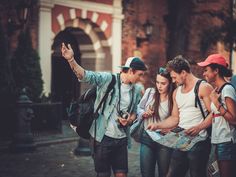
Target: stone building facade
point(180, 27)
point(107, 32)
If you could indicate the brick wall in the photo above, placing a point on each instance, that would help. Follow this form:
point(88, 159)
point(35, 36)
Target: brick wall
point(152, 52)
point(8, 10)
point(155, 52)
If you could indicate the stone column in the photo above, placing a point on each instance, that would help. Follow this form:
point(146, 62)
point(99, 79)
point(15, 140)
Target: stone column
point(45, 42)
point(117, 17)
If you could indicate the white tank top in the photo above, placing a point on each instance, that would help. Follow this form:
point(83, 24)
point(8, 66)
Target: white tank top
point(189, 115)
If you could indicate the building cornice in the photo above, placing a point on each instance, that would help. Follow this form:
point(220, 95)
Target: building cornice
point(46, 5)
point(90, 6)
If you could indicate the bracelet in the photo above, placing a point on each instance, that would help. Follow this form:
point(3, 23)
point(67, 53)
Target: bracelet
point(224, 112)
point(70, 60)
point(219, 107)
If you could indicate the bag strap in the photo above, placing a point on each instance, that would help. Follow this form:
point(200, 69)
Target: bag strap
point(119, 100)
point(197, 99)
point(227, 83)
point(110, 87)
point(149, 93)
point(221, 88)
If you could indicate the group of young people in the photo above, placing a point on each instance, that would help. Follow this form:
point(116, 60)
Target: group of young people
point(170, 104)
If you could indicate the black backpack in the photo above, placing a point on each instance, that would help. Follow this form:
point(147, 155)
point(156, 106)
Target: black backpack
point(221, 88)
point(81, 112)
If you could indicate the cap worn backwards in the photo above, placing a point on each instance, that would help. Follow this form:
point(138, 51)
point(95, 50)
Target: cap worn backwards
point(135, 63)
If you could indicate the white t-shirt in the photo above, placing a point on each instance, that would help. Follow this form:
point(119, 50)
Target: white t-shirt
point(222, 131)
point(148, 100)
point(112, 126)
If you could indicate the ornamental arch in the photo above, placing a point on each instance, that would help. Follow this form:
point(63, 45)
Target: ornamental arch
point(96, 27)
point(92, 54)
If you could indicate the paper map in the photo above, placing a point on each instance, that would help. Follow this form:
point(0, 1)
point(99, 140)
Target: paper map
point(176, 139)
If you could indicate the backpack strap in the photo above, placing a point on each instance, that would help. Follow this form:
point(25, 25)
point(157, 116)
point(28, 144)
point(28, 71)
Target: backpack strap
point(227, 83)
point(110, 87)
point(197, 99)
point(119, 100)
point(221, 88)
point(103, 100)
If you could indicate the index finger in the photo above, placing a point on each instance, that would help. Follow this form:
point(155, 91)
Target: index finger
point(215, 89)
point(69, 47)
point(63, 45)
point(188, 130)
point(149, 126)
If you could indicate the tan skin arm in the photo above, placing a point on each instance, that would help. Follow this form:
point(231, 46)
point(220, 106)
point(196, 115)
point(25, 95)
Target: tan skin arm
point(170, 122)
point(68, 53)
point(229, 113)
point(205, 90)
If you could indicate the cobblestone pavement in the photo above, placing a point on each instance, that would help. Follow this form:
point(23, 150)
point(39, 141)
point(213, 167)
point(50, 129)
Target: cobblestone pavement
point(57, 160)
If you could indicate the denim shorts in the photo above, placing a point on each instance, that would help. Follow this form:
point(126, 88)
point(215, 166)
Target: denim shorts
point(111, 154)
point(226, 151)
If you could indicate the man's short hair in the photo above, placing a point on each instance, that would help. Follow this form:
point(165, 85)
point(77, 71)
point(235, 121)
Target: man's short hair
point(178, 64)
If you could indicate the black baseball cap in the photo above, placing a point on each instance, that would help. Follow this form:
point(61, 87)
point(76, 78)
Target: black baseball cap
point(135, 63)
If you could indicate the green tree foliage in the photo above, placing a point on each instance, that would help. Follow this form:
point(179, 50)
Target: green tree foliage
point(26, 67)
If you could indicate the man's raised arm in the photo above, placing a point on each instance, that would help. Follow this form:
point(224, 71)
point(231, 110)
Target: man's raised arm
point(68, 53)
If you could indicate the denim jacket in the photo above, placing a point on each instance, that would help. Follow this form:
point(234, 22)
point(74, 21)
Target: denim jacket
point(102, 80)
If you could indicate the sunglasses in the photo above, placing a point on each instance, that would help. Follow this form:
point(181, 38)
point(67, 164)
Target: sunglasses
point(162, 70)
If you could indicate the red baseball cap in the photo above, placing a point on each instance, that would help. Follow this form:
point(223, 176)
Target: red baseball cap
point(214, 58)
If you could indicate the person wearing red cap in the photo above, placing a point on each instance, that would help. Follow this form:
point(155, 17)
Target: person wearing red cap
point(214, 58)
point(111, 128)
point(223, 104)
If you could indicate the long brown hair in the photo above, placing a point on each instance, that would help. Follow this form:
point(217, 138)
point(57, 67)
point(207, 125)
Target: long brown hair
point(163, 72)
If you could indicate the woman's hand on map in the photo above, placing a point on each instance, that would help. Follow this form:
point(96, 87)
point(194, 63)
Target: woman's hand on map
point(153, 126)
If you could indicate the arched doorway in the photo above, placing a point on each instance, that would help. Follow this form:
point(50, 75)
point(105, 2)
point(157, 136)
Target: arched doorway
point(98, 20)
point(64, 84)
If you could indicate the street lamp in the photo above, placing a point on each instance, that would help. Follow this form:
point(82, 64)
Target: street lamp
point(18, 21)
point(147, 27)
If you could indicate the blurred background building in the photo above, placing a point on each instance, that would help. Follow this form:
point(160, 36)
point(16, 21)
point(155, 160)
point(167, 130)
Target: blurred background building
point(103, 33)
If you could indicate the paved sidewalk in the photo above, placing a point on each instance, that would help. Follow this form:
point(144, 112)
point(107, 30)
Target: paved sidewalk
point(54, 157)
point(57, 160)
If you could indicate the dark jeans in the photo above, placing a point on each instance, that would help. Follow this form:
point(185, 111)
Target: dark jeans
point(152, 154)
point(195, 160)
point(111, 154)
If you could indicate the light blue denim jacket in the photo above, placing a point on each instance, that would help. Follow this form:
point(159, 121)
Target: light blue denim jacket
point(102, 80)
